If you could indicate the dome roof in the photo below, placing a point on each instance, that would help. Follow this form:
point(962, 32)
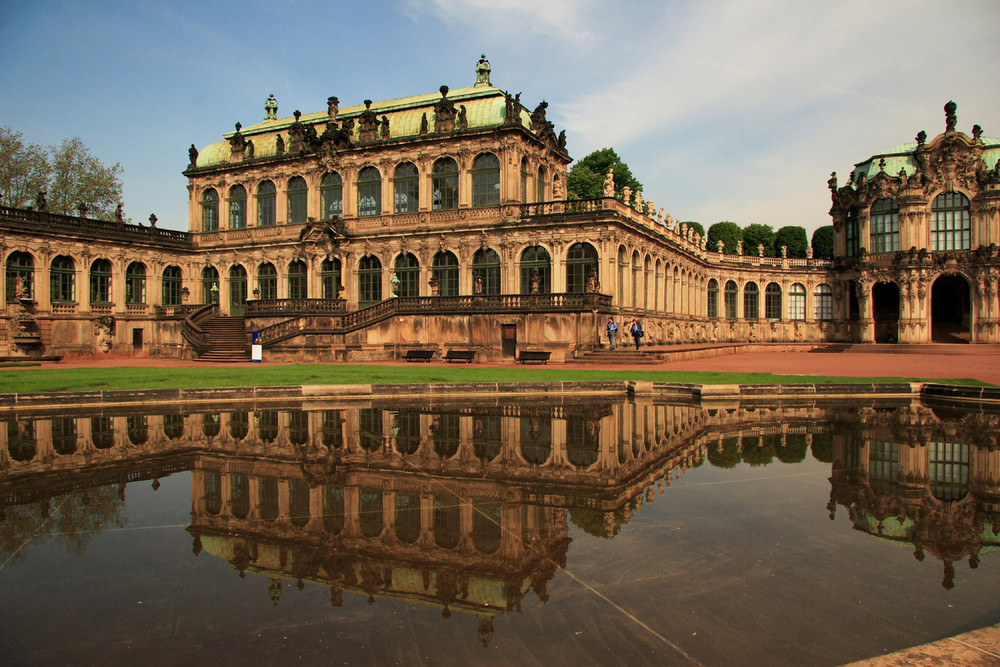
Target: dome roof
point(902, 157)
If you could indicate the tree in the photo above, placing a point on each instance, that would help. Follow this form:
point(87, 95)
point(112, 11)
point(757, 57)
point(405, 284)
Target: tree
point(822, 242)
point(728, 232)
point(794, 239)
point(695, 227)
point(24, 169)
point(755, 235)
point(68, 173)
point(586, 177)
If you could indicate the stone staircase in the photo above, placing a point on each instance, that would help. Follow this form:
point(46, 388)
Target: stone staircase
point(621, 355)
point(228, 339)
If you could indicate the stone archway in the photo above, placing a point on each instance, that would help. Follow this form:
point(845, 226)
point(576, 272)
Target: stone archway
point(951, 310)
point(885, 309)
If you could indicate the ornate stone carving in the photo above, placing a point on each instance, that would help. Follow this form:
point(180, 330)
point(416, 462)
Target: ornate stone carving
point(444, 113)
point(271, 108)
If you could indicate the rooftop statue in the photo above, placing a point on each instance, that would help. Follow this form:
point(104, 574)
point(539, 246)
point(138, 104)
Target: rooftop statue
point(193, 156)
point(271, 108)
point(483, 71)
point(332, 107)
point(609, 183)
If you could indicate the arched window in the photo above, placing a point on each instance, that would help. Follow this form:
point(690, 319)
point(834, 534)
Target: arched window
point(266, 206)
point(172, 283)
point(135, 284)
point(751, 301)
point(772, 302)
point(297, 280)
point(237, 290)
point(713, 298)
point(730, 296)
point(524, 180)
point(237, 207)
point(407, 271)
point(100, 282)
point(209, 285)
point(536, 270)
point(444, 184)
point(486, 180)
point(331, 194)
point(405, 188)
point(369, 281)
point(797, 302)
point(540, 184)
point(267, 281)
point(445, 270)
point(20, 276)
point(486, 271)
point(636, 271)
point(62, 280)
point(370, 506)
point(852, 232)
point(239, 425)
point(209, 210)
point(823, 297)
point(581, 266)
point(369, 192)
point(297, 195)
point(951, 223)
point(884, 226)
point(329, 278)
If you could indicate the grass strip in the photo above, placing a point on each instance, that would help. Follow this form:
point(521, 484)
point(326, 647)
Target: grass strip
point(149, 377)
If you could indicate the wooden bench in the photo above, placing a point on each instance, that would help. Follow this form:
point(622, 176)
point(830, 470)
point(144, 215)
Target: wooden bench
point(533, 357)
point(418, 355)
point(468, 356)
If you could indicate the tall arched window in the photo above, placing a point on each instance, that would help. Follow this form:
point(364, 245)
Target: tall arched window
point(540, 184)
point(636, 272)
point(730, 296)
point(267, 281)
point(581, 265)
point(444, 184)
point(486, 180)
point(751, 302)
point(486, 271)
point(884, 226)
point(135, 284)
point(297, 194)
point(331, 193)
point(237, 291)
point(62, 280)
point(852, 233)
point(266, 206)
point(209, 210)
point(536, 270)
point(209, 285)
point(524, 180)
point(407, 271)
point(369, 192)
point(20, 276)
point(713, 298)
point(100, 282)
point(405, 188)
point(772, 302)
point(297, 280)
point(369, 281)
point(445, 269)
point(797, 302)
point(951, 222)
point(823, 296)
point(172, 283)
point(237, 207)
point(329, 278)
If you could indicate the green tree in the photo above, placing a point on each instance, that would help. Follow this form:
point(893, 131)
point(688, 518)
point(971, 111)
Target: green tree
point(756, 234)
point(24, 169)
point(586, 177)
point(794, 239)
point(728, 232)
point(68, 173)
point(822, 242)
point(695, 227)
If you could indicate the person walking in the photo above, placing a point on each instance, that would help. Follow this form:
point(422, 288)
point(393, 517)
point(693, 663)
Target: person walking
point(636, 332)
point(612, 329)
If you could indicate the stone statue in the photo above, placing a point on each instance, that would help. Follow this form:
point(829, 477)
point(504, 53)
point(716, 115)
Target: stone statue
point(152, 220)
point(650, 209)
point(192, 156)
point(384, 128)
point(271, 108)
point(921, 137)
point(638, 201)
point(809, 252)
point(249, 150)
point(423, 124)
point(760, 249)
point(832, 183)
point(719, 245)
point(477, 282)
point(558, 193)
point(40, 202)
point(535, 281)
point(627, 195)
point(538, 121)
point(367, 124)
point(561, 140)
point(21, 288)
point(463, 120)
point(119, 216)
point(609, 183)
point(977, 132)
point(739, 247)
point(950, 119)
point(593, 285)
point(279, 145)
point(483, 71)
point(81, 209)
point(784, 252)
point(332, 107)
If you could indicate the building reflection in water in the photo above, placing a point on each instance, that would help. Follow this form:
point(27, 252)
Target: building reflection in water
point(468, 507)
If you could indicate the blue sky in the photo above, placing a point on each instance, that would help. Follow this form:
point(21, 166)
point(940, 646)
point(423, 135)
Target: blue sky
point(724, 110)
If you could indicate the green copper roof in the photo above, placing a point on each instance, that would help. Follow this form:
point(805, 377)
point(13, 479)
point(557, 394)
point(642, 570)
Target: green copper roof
point(485, 106)
point(901, 157)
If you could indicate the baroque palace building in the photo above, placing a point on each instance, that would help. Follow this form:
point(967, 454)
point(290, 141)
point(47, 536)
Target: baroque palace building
point(441, 221)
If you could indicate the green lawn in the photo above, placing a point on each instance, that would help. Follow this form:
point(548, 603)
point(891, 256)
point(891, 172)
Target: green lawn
point(134, 377)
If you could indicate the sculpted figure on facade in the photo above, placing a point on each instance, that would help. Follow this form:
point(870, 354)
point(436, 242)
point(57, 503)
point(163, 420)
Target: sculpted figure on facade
point(609, 183)
point(367, 124)
point(192, 156)
point(483, 71)
point(271, 108)
point(332, 107)
point(444, 113)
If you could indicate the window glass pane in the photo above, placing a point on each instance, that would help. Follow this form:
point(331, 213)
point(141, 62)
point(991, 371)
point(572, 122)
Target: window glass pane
point(369, 192)
point(20, 276)
point(951, 222)
point(445, 270)
point(100, 282)
point(209, 210)
point(237, 207)
point(486, 180)
point(332, 195)
point(486, 272)
point(405, 186)
point(884, 225)
point(444, 182)
point(62, 279)
point(297, 195)
point(824, 303)
point(266, 207)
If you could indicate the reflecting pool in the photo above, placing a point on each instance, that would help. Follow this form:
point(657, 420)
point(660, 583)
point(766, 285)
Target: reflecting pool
point(538, 531)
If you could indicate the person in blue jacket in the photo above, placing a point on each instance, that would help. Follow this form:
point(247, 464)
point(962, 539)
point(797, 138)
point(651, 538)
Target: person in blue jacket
point(612, 329)
point(636, 332)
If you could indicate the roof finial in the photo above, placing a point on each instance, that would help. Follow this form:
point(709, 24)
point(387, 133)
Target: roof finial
point(950, 119)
